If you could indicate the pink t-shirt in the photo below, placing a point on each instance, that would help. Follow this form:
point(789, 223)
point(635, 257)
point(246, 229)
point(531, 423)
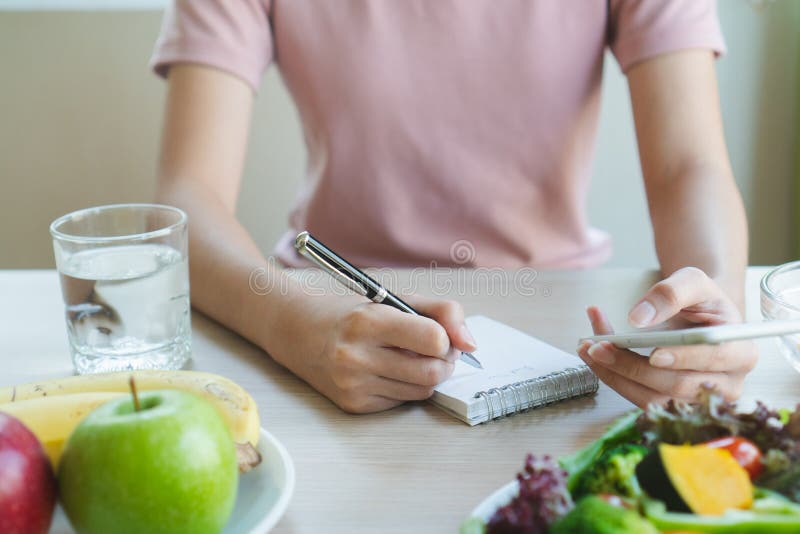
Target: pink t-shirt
point(448, 131)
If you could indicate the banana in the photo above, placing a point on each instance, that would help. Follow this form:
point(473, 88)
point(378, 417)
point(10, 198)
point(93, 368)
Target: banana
point(52, 419)
point(234, 404)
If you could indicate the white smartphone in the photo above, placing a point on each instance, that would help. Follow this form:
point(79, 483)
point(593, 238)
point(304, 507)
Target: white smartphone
point(702, 335)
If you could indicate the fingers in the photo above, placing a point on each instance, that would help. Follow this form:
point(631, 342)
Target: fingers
point(430, 336)
point(668, 383)
point(391, 394)
point(687, 287)
point(600, 323)
point(366, 404)
point(363, 378)
point(388, 327)
point(369, 381)
point(381, 356)
point(410, 368)
point(670, 372)
point(401, 391)
point(737, 357)
point(634, 392)
point(450, 315)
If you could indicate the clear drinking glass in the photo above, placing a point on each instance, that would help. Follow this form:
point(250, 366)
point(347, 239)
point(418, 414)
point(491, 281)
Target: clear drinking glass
point(125, 281)
point(780, 299)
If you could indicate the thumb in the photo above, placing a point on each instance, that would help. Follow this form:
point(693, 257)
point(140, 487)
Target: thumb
point(450, 315)
point(684, 288)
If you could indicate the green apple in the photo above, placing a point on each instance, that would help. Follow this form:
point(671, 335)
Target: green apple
point(168, 467)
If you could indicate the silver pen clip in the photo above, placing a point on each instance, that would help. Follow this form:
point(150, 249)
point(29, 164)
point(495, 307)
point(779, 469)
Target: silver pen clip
point(303, 248)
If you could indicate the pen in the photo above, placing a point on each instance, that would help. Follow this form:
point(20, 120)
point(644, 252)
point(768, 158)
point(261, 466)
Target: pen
point(357, 280)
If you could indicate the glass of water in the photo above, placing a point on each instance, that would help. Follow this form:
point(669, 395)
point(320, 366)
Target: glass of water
point(780, 299)
point(125, 281)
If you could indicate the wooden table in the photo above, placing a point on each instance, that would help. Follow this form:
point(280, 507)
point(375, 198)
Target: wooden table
point(412, 469)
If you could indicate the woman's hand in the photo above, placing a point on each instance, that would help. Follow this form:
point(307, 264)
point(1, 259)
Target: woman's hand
point(686, 298)
point(368, 357)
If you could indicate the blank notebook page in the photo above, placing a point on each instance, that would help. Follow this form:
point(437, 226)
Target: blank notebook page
point(508, 357)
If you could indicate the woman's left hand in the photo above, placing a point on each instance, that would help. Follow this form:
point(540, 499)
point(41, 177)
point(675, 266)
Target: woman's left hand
point(686, 298)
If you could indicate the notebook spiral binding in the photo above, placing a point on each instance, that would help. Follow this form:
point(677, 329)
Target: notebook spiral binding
point(539, 391)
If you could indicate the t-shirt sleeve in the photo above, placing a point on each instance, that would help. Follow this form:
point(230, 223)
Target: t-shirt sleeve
point(642, 29)
point(231, 35)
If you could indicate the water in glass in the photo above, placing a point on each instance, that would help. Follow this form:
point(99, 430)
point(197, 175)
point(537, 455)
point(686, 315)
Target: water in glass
point(127, 307)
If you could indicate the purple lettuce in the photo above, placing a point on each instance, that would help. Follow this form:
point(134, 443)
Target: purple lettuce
point(543, 498)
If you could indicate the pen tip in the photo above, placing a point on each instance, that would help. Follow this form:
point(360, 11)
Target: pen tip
point(471, 360)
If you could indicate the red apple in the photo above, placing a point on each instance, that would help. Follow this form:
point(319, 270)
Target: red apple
point(27, 484)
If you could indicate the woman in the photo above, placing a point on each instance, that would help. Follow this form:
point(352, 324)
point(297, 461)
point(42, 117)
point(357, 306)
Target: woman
point(432, 121)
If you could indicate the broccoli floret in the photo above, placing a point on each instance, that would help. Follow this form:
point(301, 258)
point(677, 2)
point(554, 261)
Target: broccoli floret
point(623, 430)
point(614, 472)
point(593, 515)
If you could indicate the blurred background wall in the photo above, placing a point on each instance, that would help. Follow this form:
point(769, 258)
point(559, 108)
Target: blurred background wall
point(80, 123)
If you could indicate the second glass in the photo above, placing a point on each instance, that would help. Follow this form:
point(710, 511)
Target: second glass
point(780, 299)
point(125, 282)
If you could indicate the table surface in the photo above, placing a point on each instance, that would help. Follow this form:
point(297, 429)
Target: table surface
point(413, 468)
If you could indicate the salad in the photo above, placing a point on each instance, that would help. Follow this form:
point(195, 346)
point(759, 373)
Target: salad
point(700, 467)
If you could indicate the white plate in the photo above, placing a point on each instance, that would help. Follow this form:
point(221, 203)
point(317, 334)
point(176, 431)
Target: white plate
point(263, 495)
point(500, 497)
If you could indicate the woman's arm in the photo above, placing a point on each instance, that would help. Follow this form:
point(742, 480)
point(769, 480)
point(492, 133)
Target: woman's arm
point(695, 206)
point(363, 356)
point(203, 147)
point(700, 233)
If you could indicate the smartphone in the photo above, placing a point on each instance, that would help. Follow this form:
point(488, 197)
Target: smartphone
point(702, 335)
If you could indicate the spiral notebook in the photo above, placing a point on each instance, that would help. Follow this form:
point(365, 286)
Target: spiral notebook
point(519, 372)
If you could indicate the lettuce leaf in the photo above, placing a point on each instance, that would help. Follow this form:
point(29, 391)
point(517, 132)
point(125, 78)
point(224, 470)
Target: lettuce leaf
point(711, 416)
point(775, 432)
